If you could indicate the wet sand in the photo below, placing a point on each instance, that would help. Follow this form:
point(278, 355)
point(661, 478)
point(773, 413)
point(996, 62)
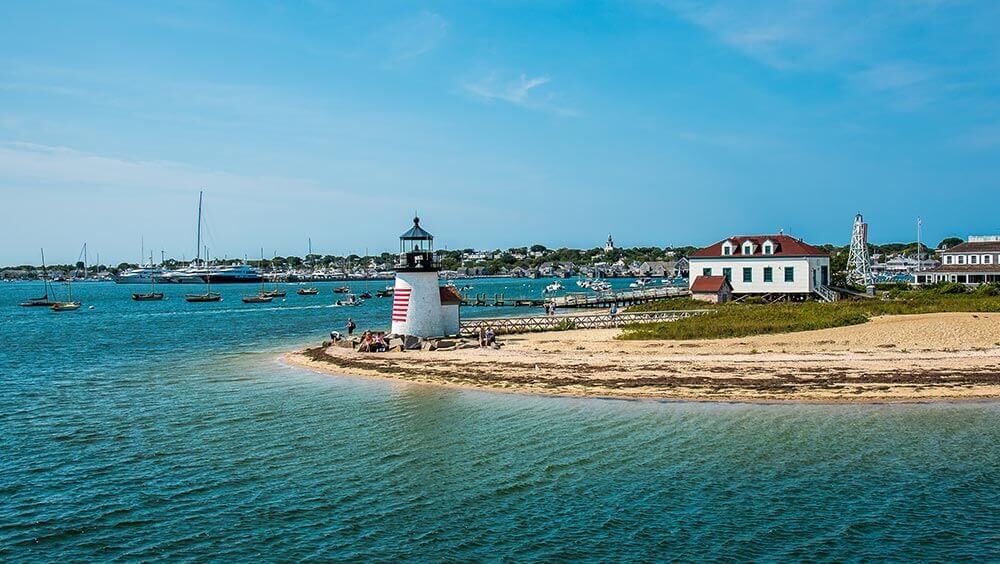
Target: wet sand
point(946, 356)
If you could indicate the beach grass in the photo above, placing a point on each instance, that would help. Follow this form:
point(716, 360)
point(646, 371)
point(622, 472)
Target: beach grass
point(746, 319)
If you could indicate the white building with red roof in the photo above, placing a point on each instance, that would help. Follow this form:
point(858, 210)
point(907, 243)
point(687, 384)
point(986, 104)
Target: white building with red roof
point(767, 265)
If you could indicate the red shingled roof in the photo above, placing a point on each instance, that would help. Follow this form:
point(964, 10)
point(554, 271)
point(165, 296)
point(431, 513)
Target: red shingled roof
point(784, 245)
point(449, 295)
point(709, 284)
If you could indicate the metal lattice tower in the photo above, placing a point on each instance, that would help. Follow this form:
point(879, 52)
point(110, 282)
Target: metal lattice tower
point(859, 269)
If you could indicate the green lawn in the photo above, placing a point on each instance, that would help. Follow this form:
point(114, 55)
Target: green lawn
point(741, 320)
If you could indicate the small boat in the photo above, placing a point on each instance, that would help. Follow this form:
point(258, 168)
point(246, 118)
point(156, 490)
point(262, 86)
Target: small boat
point(553, 287)
point(341, 290)
point(258, 299)
point(387, 293)
point(152, 295)
point(41, 301)
point(351, 300)
point(307, 291)
point(274, 293)
point(206, 297)
point(366, 295)
point(69, 304)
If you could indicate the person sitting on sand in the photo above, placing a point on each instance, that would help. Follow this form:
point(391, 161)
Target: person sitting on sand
point(491, 337)
point(380, 345)
point(336, 337)
point(366, 342)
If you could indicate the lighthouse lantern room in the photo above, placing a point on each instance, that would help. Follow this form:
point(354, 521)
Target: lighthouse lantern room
point(416, 305)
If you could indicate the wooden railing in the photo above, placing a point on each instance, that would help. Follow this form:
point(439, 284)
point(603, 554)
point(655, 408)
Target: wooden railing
point(510, 325)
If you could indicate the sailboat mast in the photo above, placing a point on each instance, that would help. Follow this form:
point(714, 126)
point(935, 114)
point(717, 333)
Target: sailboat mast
point(152, 275)
point(45, 275)
point(198, 258)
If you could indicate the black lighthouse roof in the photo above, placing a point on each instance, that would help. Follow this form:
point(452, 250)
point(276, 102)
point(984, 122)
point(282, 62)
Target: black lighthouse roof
point(417, 233)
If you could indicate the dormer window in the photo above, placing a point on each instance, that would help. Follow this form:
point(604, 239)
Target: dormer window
point(768, 247)
point(727, 249)
point(748, 248)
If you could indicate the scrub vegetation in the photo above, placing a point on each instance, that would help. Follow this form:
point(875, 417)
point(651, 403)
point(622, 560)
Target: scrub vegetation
point(746, 319)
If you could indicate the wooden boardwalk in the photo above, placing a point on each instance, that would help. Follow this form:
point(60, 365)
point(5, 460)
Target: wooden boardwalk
point(579, 300)
point(510, 325)
point(626, 298)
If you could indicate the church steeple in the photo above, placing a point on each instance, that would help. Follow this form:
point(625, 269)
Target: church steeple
point(610, 245)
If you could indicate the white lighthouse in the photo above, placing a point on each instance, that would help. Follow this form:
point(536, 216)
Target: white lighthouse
point(416, 303)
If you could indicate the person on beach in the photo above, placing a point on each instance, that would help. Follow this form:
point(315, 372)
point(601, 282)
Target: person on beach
point(336, 337)
point(614, 310)
point(380, 345)
point(482, 337)
point(351, 326)
point(491, 337)
point(366, 342)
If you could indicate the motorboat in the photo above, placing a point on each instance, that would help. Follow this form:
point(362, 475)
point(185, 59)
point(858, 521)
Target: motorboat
point(307, 291)
point(553, 287)
point(66, 306)
point(341, 290)
point(350, 300)
point(275, 293)
point(366, 295)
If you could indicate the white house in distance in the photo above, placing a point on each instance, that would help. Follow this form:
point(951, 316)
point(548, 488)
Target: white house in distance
point(774, 266)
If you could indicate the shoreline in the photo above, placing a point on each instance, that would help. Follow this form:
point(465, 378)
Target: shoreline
point(899, 359)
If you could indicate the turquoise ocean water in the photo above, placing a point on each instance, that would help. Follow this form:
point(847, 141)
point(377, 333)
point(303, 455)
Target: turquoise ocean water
point(170, 430)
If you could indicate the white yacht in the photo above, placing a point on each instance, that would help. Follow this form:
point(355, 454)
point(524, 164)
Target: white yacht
point(141, 275)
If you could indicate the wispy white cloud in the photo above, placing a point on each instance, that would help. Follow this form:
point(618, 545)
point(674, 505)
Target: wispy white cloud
point(415, 36)
point(521, 91)
point(856, 42)
point(44, 165)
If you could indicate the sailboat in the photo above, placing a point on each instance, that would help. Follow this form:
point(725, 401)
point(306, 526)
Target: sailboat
point(262, 297)
point(152, 295)
point(42, 301)
point(276, 292)
point(311, 290)
point(68, 305)
point(209, 295)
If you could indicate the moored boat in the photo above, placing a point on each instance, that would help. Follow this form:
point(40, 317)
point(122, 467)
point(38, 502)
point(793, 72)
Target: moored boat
point(258, 299)
point(66, 306)
point(307, 291)
point(148, 297)
point(206, 297)
point(41, 301)
point(341, 290)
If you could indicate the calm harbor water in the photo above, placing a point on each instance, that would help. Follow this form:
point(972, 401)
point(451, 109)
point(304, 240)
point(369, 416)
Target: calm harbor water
point(170, 430)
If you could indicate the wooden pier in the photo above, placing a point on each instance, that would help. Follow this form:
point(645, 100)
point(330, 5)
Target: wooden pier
point(620, 299)
point(511, 325)
point(579, 300)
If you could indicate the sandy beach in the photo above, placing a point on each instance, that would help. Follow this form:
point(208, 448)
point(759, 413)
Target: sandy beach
point(944, 356)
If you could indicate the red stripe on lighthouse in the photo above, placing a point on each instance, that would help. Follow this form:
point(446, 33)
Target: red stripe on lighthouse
point(400, 304)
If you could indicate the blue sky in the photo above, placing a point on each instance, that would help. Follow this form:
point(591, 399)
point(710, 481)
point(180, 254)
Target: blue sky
point(501, 123)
